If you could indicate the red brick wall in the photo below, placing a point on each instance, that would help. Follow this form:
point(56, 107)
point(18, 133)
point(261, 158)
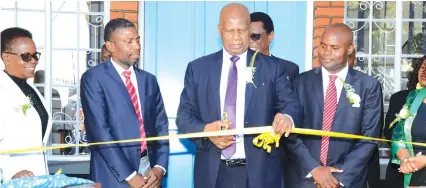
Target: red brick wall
point(325, 14)
point(125, 9)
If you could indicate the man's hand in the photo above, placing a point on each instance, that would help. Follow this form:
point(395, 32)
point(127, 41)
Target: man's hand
point(282, 124)
point(137, 182)
point(323, 177)
point(23, 173)
point(221, 142)
point(154, 176)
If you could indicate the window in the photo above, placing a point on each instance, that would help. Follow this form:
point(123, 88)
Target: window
point(69, 35)
point(388, 38)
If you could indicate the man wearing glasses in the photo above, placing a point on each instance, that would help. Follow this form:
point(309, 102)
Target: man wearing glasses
point(262, 33)
point(24, 120)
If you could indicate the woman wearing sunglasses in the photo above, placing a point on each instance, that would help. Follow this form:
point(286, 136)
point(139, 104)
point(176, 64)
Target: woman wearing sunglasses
point(24, 120)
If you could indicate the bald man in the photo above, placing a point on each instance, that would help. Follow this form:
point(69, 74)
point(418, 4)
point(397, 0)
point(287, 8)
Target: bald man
point(217, 84)
point(329, 106)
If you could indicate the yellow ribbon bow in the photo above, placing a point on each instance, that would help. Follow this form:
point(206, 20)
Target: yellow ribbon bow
point(266, 139)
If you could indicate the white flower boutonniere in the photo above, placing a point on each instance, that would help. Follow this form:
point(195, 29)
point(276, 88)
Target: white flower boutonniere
point(404, 113)
point(24, 106)
point(251, 70)
point(353, 98)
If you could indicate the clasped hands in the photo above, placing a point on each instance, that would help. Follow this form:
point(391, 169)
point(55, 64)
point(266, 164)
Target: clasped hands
point(412, 163)
point(151, 180)
point(282, 124)
point(324, 178)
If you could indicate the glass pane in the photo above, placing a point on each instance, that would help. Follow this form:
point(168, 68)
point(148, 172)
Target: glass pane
point(64, 30)
point(414, 9)
point(35, 23)
point(65, 64)
point(93, 59)
point(383, 38)
point(64, 6)
point(383, 70)
point(361, 9)
point(68, 133)
point(95, 6)
point(7, 4)
point(96, 30)
point(38, 5)
point(361, 35)
point(413, 40)
point(6, 23)
point(384, 9)
point(361, 64)
point(357, 9)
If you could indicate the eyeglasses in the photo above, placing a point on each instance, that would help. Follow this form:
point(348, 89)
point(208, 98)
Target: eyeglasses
point(255, 36)
point(27, 56)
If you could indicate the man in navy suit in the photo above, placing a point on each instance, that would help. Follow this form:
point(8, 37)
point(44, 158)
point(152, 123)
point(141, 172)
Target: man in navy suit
point(262, 34)
point(123, 102)
point(221, 82)
point(324, 95)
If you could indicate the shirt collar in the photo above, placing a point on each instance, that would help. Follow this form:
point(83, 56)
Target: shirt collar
point(228, 56)
point(341, 74)
point(120, 69)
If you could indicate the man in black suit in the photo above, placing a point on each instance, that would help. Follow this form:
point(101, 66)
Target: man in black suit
point(262, 33)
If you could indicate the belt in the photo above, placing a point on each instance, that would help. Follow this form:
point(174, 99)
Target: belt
point(144, 153)
point(234, 162)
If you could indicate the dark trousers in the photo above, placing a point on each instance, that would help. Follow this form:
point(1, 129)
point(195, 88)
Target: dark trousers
point(232, 177)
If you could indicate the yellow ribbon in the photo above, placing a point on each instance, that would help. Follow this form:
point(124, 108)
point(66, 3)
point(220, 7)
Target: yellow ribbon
point(246, 131)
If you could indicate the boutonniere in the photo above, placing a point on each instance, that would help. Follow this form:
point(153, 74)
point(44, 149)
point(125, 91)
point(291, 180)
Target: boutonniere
point(24, 106)
point(404, 113)
point(250, 70)
point(352, 97)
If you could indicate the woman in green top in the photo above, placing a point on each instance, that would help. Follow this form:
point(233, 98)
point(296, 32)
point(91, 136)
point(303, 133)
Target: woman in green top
point(411, 127)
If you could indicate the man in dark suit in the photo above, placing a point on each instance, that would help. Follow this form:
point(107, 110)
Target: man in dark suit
point(262, 34)
point(123, 102)
point(222, 82)
point(336, 98)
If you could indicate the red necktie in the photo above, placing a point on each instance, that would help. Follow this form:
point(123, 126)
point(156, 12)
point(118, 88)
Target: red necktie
point(330, 106)
point(132, 92)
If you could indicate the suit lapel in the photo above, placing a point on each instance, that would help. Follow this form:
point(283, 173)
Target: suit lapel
point(112, 72)
point(142, 90)
point(215, 74)
point(249, 87)
point(318, 88)
point(343, 104)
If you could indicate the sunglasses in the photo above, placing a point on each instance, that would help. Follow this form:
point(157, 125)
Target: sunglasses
point(255, 36)
point(27, 56)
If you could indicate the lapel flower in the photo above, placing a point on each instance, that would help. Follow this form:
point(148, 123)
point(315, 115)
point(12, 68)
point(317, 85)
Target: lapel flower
point(27, 104)
point(250, 70)
point(352, 97)
point(404, 113)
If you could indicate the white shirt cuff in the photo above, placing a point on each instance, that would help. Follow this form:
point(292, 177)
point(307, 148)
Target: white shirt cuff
point(164, 170)
point(291, 119)
point(131, 176)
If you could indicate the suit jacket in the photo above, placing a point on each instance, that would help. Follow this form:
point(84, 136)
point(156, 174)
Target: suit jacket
point(200, 105)
point(291, 68)
point(19, 130)
point(351, 156)
point(110, 115)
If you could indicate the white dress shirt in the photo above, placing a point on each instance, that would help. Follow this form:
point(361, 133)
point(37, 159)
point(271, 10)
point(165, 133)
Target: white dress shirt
point(134, 81)
point(341, 76)
point(241, 93)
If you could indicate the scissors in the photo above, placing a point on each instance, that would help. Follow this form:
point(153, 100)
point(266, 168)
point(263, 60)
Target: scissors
point(226, 126)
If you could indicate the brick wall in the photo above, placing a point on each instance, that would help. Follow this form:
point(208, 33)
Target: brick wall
point(325, 14)
point(125, 9)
